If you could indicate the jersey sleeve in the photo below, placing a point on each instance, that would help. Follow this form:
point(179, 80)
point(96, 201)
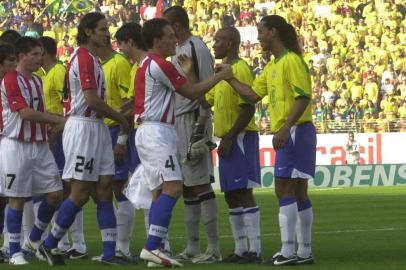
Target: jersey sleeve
point(59, 81)
point(244, 74)
point(206, 62)
point(87, 75)
point(298, 76)
point(15, 98)
point(123, 76)
point(133, 74)
point(260, 84)
point(210, 96)
point(169, 75)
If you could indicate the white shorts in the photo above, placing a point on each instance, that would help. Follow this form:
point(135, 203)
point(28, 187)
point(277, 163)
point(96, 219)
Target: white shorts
point(202, 172)
point(27, 169)
point(87, 148)
point(157, 149)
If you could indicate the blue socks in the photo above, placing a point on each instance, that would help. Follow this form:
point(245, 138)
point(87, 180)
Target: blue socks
point(107, 223)
point(66, 215)
point(14, 222)
point(45, 214)
point(160, 216)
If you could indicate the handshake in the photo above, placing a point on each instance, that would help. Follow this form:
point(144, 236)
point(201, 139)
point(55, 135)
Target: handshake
point(199, 146)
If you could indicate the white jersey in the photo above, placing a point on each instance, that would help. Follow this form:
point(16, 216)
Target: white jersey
point(155, 85)
point(352, 149)
point(205, 66)
point(18, 92)
point(84, 72)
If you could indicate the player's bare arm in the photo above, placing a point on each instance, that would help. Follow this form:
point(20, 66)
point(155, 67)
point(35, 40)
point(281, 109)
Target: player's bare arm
point(57, 122)
point(281, 136)
point(99, 106)
point(243, 119)
point(245, 91)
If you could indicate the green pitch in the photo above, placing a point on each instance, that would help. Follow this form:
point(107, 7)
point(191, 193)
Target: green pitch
point(357, 228)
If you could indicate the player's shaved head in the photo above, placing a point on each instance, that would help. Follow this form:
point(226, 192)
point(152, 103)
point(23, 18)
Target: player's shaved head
point(230, 34)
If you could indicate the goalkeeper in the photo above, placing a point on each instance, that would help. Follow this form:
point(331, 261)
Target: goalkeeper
point(193, 125)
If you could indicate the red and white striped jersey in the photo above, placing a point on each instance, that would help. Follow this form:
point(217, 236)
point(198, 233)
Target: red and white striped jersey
point(155, 85)
point(18, 92)
point(84, 72)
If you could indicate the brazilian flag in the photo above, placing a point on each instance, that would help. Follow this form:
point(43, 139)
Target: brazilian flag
point(80, 6)
point(53, 6)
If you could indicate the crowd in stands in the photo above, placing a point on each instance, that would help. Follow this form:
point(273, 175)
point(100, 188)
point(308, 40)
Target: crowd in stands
point(355, 50)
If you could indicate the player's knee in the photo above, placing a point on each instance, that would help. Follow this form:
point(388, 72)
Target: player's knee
point(54, 198)
point(173, 188)
point(232, 200)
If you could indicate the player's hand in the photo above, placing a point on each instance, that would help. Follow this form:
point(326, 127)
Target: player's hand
point(119, 152)
point(186, 63)
point(280, 138)
point(225, 146)
point(197, 147)
point(125, 126)
point(224, 71)
point(58, 128)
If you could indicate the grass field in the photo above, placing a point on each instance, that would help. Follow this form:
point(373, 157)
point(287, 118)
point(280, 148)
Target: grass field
point(357, 228)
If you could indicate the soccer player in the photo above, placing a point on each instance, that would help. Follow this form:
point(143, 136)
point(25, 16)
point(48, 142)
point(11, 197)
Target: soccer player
point(54, 84)
point(116, 70)
point(156, 139)
point(238, 150)
point(86, 141)
point(26, 161)
point(129, 41)
point(8, 62)
point(190, 124)
point(352, 149)
point(10, 37)
point(286, 81)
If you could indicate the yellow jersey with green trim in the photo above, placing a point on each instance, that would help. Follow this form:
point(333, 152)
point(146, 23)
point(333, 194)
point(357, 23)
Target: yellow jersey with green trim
point(226, 102)
point(283, 80)
point(133, 73)
point(117, 75)
point(53, 84)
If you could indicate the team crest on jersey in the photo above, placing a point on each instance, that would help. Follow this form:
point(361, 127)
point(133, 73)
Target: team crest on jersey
point(273, 74)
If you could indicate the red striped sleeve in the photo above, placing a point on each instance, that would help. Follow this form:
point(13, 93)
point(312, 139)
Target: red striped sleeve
point(15, 98)
point(88, 80)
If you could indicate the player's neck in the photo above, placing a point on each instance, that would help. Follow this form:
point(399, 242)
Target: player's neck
point(278, 49)
point(183, 36)
point(92, 49)
point(49, 63)
point(231, 58)
point(138, 55)
point(23, 71)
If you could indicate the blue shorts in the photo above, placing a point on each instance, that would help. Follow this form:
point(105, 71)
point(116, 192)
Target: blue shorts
point(298, 158)
point(57, 151)
point(131, 159)
point(240, 169)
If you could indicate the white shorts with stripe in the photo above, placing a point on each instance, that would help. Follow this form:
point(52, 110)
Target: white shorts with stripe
point(27, 169)
point(157, 149)
point(87, 148)
point(202, 172)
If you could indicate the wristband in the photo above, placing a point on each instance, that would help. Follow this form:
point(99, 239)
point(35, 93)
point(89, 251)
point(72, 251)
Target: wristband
point(122, 139)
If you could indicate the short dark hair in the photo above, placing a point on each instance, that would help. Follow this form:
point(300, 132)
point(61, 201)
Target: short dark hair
point(177, 14)
point(131, 31)
point(9, 37)
point(6, 50)
point(153, 29)
point(49, 45)
point(89, 21)
point(26, 44)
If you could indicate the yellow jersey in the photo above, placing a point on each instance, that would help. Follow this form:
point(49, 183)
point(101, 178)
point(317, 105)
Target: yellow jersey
point(54, 82)
point(117, 75)
point(226, 101)
point(283, 80)
point(131, 89)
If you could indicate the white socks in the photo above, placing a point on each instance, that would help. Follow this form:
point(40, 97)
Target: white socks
point(125, 223)
point(287, 223)
point(236, 216)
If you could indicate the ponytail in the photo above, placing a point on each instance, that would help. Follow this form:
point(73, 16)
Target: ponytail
point(286, 31)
